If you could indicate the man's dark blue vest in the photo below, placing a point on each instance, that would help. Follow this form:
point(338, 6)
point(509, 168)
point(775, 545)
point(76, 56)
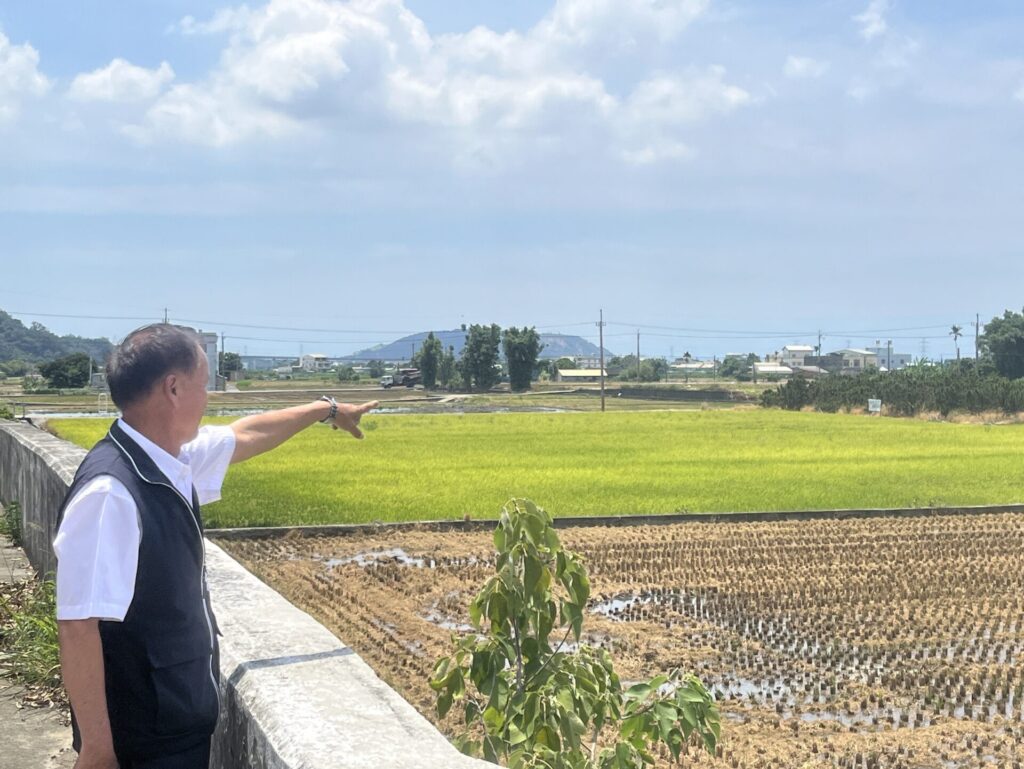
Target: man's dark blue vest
point(161, 662)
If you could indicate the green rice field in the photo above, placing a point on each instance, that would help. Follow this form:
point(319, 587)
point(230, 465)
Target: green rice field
point(425, 467)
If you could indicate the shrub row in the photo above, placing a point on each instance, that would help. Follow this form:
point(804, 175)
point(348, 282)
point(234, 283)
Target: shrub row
point(905, 392)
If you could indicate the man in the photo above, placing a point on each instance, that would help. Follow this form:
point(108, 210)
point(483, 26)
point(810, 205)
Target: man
point(137, 635)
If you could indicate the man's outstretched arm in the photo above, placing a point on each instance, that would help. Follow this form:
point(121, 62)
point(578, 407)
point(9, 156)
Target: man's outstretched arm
point(262, 432)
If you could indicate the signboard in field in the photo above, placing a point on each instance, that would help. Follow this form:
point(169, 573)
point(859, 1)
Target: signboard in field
point(874, 406)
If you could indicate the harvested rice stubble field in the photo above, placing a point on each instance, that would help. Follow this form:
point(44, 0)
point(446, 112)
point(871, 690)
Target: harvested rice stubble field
point(860, 644)
point(423, 467)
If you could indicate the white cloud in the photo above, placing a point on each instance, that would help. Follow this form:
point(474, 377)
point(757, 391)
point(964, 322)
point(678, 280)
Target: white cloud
point(897, 53)
point(211, 116)
point(872, 21)
point(674, 100)
point(224, 20)
point(1019, 95)
point(659, 107)
point(20, 77)
point(121, 81)
point(616, 24)
point(304, 65)
point(657, 151)
point(861, 90)
point(798, 67)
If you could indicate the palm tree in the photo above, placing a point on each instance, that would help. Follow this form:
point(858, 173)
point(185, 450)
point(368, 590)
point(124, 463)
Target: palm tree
point(955, 332)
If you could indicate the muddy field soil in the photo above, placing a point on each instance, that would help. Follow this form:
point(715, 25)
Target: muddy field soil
point(857, 643)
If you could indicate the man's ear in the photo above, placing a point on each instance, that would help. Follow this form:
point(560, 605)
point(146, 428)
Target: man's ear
point(171, 385)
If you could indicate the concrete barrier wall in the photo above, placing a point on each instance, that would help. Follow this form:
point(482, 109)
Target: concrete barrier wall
point(36, 469)
point(292, 694)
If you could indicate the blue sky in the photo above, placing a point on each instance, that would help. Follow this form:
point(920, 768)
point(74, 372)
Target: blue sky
point(724, 176)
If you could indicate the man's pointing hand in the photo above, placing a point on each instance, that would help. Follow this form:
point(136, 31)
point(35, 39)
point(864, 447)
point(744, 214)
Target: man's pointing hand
point(349, 414)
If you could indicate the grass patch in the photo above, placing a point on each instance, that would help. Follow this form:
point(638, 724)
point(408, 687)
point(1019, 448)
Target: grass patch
point(10, 523)
point(29, 652)
point(418, 467)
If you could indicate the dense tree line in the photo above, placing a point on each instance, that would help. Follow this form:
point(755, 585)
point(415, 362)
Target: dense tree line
point(994, 382)
point(479, 365)
point(927, 387)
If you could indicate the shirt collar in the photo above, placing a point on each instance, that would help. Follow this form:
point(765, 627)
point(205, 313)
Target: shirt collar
point(176, 469)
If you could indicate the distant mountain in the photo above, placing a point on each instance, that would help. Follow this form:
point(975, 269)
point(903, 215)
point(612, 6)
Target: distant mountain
point(554, 346)
point(36, 343)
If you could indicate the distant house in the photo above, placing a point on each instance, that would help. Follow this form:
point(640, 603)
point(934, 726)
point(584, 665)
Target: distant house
point(808, 372)
point(891, 361)
point(208, 341)
point(265, 362)
point(771, 369)
point(682, 364)
point(795, 354)
point(579, 375)
point(854, 361)
point(315, 362)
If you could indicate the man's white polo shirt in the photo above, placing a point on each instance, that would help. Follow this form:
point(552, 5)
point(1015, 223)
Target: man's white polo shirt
point(97, 545)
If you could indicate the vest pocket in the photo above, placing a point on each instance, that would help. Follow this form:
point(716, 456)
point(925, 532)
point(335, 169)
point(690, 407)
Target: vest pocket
point(186, 698)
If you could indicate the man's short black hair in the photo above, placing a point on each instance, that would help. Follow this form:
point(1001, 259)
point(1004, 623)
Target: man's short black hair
point(146, 356)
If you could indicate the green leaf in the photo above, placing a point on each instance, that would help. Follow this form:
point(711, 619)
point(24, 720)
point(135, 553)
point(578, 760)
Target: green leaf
point(689, 714)
point(667, 717)
point(493, 720)
point(687, 694)
point(444, 704)
point(565, 700)
point(515, 734)
point(639, 692)
point(531, 576)
point(534, 528)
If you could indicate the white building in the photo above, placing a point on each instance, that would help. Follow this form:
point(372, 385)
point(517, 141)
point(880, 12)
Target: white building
point(771, 369)
point(579, 375)
point(314, 362)
point(682, 364)
point(208, 339)
point(795, 354)
point(856, 360)
point(897, 360)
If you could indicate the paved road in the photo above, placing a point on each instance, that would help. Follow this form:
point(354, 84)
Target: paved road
point(31, 738)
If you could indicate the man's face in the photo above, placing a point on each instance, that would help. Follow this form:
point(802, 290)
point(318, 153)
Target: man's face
point(193, 396)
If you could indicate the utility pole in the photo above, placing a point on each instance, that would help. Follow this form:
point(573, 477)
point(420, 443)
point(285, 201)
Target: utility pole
point(600, 331)
point(977, 327)
point(638, 356)
point(819, 348)
point(888, 363)
point(165, 314)
point(220, 361)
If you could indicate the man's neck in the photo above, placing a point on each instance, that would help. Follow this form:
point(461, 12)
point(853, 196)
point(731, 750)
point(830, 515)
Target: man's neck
point(155, 429)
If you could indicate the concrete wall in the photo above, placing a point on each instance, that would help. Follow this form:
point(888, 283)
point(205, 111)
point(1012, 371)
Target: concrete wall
point(36, 469)
point(292, 694)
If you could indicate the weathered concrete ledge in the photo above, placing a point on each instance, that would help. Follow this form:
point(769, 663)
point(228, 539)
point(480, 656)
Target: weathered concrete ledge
point(292, 695)
point(36, 469)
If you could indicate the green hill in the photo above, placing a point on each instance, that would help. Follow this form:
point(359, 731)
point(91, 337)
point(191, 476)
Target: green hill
point(36, 343)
